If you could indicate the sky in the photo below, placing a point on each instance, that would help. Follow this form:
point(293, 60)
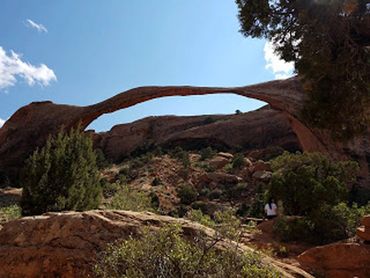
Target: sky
point(80, 52)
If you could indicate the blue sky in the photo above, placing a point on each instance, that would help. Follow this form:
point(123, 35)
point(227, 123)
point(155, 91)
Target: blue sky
point(81, 52)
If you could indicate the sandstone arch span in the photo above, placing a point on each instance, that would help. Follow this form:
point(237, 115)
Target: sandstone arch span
point(30, 126)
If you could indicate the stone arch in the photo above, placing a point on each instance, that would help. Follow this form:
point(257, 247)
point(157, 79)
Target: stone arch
point(31, 125)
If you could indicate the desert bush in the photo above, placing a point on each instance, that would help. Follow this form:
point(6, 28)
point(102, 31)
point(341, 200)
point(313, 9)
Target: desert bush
point(181, 155)
point(238, 161)
point(9, 213)
point(312, 186)
point(131, 199)
point(61, 176)
point(101, 161)
point(215, 194)
point(166, 253)
point(205, 166)
point(109, 189)
point(207, 153)
point(306, 181)
point(187, 194)
point(202, 206)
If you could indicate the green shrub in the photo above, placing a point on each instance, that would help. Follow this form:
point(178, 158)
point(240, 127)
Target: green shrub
point(101, 160)
point(197, 215)
point(292, 229)
point(215, 194)
point(131, 199)
point(306, 181)
point(109, 189)
point(181, 155)
point(312, 186)
point(238, 161)
point(207, 153)
point(205, 166)
point(9, 213)
point(61, 176)
point(166, 253)
point(187, 194)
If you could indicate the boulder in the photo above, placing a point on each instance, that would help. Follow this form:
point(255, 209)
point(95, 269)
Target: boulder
point(363, 232)
point(225, 155)
point(218, 162)
point(262, 175)
point(261, 165)
point(338, 260)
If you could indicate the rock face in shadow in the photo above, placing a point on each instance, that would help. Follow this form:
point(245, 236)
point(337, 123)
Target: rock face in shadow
point(264, 128)
point(31, 125)
point(66, 244)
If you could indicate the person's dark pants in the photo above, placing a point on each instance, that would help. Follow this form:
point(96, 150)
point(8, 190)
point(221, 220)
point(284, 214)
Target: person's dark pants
point(269, 217)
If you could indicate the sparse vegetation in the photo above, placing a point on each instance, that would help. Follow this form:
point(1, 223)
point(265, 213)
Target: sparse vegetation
point(9, 213)
point(187, 194)
point(128, 198)
point(238, 161)
point(61, 176)
point(207, 153)
point(166, 253)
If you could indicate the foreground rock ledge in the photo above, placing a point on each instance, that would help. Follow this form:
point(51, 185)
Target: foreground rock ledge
point(66, 244)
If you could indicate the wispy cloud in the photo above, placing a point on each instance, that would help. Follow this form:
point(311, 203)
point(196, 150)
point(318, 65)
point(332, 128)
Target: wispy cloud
point(37, 26)
point(12, 66)
point(2, 122)
point(279, 67)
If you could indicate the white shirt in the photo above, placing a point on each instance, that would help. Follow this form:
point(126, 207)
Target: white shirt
point(271, 211)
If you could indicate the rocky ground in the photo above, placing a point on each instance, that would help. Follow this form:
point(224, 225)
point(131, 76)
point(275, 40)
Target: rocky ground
point(66, 244)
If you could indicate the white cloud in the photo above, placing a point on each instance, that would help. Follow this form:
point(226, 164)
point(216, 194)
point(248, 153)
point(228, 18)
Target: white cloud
point(12, 66)
point(2, 122)
point(279, 67)
point(37, 26)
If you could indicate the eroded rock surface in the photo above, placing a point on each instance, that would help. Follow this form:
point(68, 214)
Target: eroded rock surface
point(259, 129)
point(338, 260)
point(65, 244)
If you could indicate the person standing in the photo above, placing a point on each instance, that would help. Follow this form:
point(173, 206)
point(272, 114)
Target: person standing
point(271, 209)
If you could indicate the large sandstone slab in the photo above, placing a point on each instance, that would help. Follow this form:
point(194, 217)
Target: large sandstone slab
point(65, 244)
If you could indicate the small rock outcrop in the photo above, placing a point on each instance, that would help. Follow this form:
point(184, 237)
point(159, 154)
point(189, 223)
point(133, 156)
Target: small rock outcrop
point(338, 260)
point(341, 260)
point(66, 244)
point(363, 232)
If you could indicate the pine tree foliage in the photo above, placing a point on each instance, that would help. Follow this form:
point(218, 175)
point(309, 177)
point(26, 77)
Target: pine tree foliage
point(61, 176)
point(329, 42)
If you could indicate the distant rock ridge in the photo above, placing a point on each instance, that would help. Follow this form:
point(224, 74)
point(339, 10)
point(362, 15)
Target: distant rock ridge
point(260, 129)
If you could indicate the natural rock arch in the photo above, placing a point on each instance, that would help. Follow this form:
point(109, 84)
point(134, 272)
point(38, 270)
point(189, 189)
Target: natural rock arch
point(30, 126)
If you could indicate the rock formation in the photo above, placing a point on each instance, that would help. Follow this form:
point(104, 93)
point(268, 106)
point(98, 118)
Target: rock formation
point(341, 260)
point(31, 125)
point(66, 244)
point(248, 131)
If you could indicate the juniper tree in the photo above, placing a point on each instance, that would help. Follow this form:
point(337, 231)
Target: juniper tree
point(61, 176)
point(329, 42)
